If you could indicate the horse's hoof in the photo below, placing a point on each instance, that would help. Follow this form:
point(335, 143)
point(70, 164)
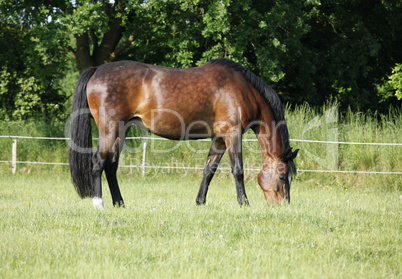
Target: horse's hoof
point(98, 203)
point(244, 203)
point(119, 204)
point(200, 202)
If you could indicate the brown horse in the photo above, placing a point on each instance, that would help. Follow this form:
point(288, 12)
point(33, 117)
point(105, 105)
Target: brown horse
point(220, 100)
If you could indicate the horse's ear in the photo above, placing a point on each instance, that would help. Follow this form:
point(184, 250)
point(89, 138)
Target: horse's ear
point(286, 156)
point(294, 154)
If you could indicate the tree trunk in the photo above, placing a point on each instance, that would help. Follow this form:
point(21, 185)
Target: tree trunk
point(104, 52)
point(82, 54)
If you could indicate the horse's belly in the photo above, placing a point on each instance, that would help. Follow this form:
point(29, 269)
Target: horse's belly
point(173, 125)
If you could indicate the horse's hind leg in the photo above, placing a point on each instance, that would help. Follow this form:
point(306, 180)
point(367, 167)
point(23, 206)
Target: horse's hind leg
point(111, 166)
point(98, 163)
point(215, 154)
point(107, 138)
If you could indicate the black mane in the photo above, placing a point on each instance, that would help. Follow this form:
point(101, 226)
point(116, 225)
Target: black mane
point(270, 96)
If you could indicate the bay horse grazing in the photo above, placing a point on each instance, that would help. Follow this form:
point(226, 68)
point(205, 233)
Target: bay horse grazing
point(220, 100)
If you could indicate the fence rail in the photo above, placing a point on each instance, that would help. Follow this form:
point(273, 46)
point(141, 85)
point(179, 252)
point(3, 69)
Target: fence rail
point(14, 161)
point(201, 168)
point(208, 140)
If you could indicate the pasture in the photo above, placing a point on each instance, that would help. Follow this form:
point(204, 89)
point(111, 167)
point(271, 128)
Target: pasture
point(329, 230)
point(338, 225)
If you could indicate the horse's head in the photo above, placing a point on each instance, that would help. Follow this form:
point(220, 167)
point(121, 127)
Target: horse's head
point(275, 179)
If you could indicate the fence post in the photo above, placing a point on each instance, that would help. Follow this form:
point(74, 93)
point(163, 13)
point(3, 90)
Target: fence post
point(14, 157)
point(144, 156)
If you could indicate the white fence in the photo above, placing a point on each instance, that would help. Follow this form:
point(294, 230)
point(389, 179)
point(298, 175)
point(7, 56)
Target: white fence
point(144, 166)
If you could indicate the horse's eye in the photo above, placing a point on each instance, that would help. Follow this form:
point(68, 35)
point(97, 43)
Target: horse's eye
point(282, 178)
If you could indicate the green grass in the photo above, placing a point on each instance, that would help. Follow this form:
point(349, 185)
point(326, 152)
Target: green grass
point(338, 225)
point(328, 231)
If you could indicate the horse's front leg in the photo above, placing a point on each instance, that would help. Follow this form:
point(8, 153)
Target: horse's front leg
point(233, 140)
point(215, 154)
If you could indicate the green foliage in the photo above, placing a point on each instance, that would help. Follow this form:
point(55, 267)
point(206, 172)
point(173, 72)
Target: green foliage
point(309, 51)
point(395, 80)
point(88, 15)
point(32, 60)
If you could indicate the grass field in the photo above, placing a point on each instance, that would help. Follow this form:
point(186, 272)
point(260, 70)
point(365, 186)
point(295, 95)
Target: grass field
point(337, 226)
point(328, 231)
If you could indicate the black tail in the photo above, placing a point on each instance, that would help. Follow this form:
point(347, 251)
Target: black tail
point(81, 138)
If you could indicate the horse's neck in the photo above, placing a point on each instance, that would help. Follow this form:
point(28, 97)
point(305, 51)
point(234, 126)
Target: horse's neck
point(269, 139)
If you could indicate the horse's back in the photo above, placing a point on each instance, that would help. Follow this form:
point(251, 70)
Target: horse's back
point(170, 101)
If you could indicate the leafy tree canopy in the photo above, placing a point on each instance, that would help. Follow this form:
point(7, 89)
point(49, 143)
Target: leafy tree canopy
point(309, 51)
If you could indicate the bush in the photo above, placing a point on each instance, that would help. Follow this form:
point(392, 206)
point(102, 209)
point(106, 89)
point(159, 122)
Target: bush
point(395, 80)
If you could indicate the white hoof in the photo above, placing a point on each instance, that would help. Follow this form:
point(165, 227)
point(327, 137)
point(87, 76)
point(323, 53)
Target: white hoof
point(98, 203)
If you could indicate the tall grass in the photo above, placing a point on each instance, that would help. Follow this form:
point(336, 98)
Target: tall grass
point(305, 122)
point(327, 124)
point(33, 150)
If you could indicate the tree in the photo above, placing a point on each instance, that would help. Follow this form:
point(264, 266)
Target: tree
point(35, 38)
point(31, 60)
point(309, 51)
point(103, 31)
point(356, 46)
